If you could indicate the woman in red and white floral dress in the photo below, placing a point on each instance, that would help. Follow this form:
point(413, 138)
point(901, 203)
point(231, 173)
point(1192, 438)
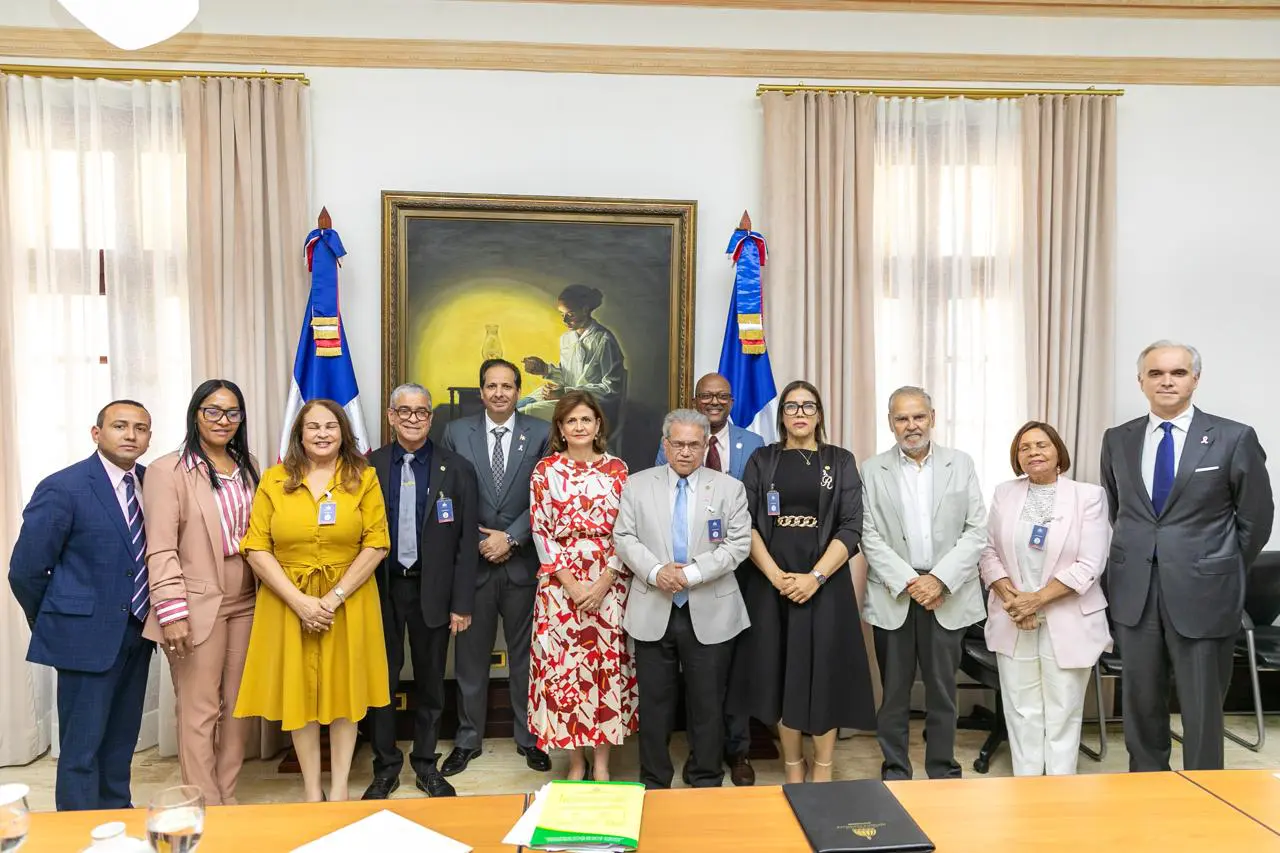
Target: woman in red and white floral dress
point(582, 679)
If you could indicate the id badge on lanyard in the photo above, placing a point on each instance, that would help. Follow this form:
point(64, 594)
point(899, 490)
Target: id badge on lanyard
point(328, 511)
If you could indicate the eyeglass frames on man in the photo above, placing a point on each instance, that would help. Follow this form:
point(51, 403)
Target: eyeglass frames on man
point(405, 413)
point(715, 397)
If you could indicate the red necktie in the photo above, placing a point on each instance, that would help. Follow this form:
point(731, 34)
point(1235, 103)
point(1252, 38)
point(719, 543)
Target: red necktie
point(713, 455)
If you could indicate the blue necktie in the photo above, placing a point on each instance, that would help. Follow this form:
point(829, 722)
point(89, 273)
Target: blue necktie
point(680, 535)
point(1162, 482)
point(407, 521)
point(141, 602)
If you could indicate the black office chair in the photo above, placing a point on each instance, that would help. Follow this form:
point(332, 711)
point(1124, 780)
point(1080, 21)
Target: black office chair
point(1259, 640)
point(979, 663)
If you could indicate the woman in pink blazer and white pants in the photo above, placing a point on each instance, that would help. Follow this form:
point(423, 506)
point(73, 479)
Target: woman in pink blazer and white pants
point(1047, 541)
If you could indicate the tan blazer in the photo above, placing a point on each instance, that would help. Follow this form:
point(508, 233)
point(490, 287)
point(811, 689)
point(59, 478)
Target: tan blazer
point(184, 544)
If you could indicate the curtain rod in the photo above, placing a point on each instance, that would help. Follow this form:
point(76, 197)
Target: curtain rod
point(67, 72)
point(934, 92)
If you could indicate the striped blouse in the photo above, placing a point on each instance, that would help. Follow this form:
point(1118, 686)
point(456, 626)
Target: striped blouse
point(234, 501)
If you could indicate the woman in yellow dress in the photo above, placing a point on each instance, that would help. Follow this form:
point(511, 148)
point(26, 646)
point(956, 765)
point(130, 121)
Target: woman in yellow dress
point(318, 530)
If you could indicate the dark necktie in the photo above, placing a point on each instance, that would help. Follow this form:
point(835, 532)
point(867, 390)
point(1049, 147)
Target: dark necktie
point(1162, 482)
point(141, 602)
point(498, 466)
point(713, 455)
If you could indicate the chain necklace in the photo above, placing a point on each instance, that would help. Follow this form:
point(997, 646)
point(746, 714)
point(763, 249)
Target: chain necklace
point(807, 457)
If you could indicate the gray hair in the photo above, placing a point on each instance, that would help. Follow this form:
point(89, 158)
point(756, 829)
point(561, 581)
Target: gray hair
point(409, 388)
point(686, 416)
point(910, 391)
point(1167, 344)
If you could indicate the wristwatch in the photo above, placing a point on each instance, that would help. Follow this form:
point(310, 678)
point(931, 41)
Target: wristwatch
point(342, 596)
point(819, 576)
point(511, 541)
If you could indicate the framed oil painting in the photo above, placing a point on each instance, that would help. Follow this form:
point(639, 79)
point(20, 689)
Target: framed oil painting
point(578, 292)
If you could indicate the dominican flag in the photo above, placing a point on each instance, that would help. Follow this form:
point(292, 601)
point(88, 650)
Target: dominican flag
point(322, 368)
point(744, 360)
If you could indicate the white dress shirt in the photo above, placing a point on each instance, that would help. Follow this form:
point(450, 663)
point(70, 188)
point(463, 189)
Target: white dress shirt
point(1181, 426)
point(721, 441)
point(917, 508)
point(691, 573)
point(116, 475)
point(489, 427)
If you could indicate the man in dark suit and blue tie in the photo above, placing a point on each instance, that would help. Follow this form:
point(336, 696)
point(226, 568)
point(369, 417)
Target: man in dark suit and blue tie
point(1191, 508)
point(503, 446)
point(78, 572)
point(728, 450)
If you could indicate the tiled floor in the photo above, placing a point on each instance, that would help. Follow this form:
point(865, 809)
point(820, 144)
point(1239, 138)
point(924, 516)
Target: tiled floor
point(500, 770)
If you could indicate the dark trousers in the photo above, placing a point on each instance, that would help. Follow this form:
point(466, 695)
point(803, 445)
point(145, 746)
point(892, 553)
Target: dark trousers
point(1202, 673)
point(99, 714)
point(937, 650)
point(706, 675)
point(472, 651)
point(429, 649)
point(737, 726)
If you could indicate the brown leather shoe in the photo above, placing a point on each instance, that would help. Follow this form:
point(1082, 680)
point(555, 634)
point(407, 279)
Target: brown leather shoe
point(741, 772)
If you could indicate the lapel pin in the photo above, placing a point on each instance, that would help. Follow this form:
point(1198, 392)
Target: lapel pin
point(738, 446)
point(441, 467)
point(1204, 439)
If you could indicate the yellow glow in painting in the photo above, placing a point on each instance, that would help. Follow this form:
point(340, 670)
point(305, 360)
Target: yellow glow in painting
point(448, 344)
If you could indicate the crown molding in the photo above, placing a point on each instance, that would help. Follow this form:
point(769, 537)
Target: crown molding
point(1229, 9)
point(334, 52)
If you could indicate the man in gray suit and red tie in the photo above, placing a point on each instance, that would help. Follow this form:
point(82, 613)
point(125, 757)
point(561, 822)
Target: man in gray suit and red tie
point(1191, 508)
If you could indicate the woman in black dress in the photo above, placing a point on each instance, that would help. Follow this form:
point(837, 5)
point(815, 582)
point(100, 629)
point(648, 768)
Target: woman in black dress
point(807, 662)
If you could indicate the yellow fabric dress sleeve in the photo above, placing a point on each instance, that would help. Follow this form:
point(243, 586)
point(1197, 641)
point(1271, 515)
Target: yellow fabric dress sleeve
point(373, 513)
point(258, 537)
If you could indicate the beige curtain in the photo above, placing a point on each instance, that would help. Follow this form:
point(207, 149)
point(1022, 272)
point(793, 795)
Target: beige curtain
point(248, 147)
point(21, 739)
point(1069, 178)
point(819, 164)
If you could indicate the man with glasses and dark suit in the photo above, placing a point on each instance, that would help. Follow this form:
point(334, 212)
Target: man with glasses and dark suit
point(503, 446)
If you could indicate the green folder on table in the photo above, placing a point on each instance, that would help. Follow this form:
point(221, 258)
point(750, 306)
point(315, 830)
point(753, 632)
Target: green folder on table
point(586, 816)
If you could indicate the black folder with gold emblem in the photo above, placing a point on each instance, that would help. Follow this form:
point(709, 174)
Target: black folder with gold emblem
point(858, 815)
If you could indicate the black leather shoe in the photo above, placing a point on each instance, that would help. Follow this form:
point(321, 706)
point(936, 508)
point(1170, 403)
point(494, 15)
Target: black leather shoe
point(434, 785)
point(741, 773)
point(684, 774)
point(535, 758)
point(458, 761)
point(380, 789)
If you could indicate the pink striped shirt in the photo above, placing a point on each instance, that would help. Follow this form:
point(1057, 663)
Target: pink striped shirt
point(234, 501)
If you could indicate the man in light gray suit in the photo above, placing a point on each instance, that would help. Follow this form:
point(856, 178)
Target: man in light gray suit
point(923, 528)
point(1191, 508)
point(503, 447)
point(682, 530)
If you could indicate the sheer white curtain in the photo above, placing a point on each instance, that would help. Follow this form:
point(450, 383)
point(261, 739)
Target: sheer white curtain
point(948, 270)
point(94, 277)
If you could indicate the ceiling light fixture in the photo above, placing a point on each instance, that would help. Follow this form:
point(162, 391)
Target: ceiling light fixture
point(133, 24)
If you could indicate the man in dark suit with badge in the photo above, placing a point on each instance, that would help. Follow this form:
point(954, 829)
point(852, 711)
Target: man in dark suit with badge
point(78, 572)
point(427, 582)
point(503, 446)
point(1191, 508)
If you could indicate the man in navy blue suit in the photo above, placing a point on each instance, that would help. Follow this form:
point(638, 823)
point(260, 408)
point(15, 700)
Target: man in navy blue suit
point(728, 451)
point(78, 572)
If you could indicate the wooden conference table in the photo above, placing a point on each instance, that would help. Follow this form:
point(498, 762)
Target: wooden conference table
point(1165, 812)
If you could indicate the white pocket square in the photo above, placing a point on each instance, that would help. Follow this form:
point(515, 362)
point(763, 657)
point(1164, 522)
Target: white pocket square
point(1210, 468)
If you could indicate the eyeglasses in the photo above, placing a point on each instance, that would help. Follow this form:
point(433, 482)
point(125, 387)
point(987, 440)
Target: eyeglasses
point(213, 414)
point(808, 408)
point(405, 413)
point(686, 446)
point(718, 397)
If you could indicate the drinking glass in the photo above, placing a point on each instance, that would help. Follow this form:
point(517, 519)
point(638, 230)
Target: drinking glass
point(175, 819)
point(15, 816)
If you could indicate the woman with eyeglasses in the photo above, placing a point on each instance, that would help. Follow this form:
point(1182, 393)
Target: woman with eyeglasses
point(802, 664)
point(202, 593)
point(317, 655)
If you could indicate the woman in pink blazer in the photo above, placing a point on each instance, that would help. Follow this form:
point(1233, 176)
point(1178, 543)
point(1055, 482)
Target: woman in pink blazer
point(1047, 540)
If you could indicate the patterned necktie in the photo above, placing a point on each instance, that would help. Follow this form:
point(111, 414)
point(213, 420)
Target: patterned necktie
point(499, 465)
point(1162, 482)
point(407, 524)
point(713, 455)
point(680, 535)
point(141, 602)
